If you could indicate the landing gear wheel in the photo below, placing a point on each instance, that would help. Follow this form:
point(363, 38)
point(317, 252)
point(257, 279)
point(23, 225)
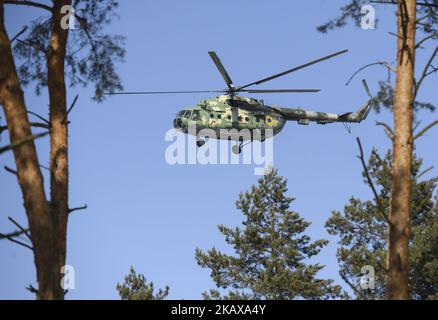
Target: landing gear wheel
point(236, 149)
point(200, 143)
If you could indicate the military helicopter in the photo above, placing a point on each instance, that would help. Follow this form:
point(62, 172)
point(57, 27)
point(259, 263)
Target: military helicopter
point(231, 111)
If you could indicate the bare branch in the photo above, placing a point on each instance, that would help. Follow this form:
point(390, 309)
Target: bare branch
point(430, 36)
point(416, 126)
point(33, 124)
point(30, 4)
point(32, 289)
point(71, 108)
point(425, 4)
point(383, 63)
point(25, 231)
point(22, 141)
point(12, 171)
point(39, 117)
point(425, 129)
point(19, 34)
point(11, 238)
point(40, 125)
point(371, 184)
point(394, 34)
point(13, 234)
point(73, 104)
point(388, 130)
point(77, 209)
point(424, 74)
point(432, 71)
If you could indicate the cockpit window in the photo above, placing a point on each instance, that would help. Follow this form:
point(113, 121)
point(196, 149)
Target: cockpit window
point(187, 114)
point(195, 115)
point(181, 113)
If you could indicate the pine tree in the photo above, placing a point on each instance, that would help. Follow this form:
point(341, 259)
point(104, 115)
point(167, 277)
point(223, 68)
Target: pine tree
point(136, 287)
point(417, 24)
point(45, 52)
point(271, 250)
point(363, 233)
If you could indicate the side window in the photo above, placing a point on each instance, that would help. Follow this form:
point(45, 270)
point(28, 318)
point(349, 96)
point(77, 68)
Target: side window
point(195, 115)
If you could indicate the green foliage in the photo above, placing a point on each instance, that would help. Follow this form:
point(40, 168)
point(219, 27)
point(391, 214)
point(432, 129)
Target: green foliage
point(363, 233)
point(352, 10)
point(385, 96)
point(90, 55)
point(271, 250)
point(136, 287)
point(349, 11)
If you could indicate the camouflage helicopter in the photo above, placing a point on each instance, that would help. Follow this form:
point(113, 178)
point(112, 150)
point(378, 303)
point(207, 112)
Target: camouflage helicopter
point(230, 111)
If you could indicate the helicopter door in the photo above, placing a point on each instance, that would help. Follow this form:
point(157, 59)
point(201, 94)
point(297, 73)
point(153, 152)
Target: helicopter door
point(235, 116)
point(234, 113)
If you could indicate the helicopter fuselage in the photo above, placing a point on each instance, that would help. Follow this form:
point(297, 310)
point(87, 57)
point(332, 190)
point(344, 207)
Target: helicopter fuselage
point(228, 112)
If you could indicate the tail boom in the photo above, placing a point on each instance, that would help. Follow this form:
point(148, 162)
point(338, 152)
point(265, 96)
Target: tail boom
point(304, 116)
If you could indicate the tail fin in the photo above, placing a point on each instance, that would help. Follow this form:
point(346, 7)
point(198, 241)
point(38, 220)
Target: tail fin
point(363, 112)
point(360, 114)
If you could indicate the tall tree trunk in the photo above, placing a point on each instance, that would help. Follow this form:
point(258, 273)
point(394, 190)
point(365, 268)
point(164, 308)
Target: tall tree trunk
point(398, 254)
point(28, 170)
point(58, 133)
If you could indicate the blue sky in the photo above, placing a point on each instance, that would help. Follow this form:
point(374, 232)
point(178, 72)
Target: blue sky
point(148, 214)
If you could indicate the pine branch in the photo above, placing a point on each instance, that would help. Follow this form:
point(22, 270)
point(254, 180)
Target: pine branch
point(353, 287)
point(424, 172)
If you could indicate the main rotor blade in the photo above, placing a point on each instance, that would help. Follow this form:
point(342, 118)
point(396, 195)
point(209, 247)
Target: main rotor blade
point(280, 90)
point(221, 69)
point(162, 92)
point(293, 69)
